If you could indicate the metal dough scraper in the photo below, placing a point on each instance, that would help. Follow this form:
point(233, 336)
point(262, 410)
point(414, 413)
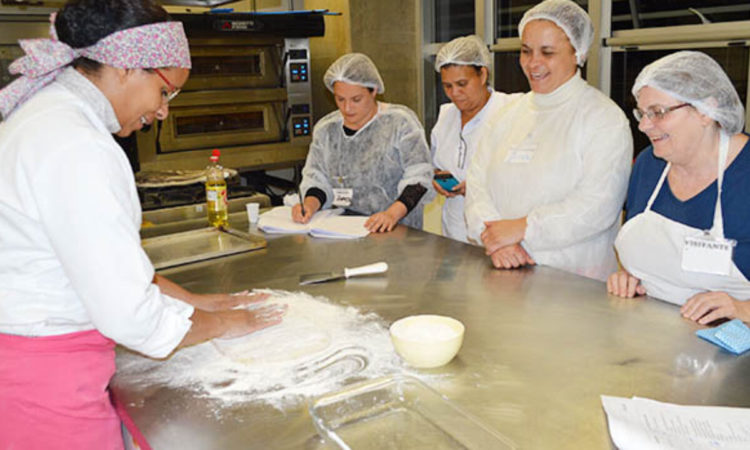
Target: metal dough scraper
point(369, 269)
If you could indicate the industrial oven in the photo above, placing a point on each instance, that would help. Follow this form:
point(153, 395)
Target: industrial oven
point(248, 94)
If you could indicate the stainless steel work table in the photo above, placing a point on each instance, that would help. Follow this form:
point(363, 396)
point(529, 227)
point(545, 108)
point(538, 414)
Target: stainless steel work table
point(541, 345)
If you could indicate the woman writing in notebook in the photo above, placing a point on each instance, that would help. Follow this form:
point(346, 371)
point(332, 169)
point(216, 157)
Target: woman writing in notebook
point(369, 157)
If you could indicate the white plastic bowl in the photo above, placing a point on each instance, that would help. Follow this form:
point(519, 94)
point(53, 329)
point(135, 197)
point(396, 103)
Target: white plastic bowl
point(427, 341)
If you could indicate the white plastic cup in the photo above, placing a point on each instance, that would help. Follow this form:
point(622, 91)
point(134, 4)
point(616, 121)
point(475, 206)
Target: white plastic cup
point(253, 211)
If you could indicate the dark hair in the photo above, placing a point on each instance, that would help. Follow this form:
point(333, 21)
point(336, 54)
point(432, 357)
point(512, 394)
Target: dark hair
point(476, 68)
point(81, 23)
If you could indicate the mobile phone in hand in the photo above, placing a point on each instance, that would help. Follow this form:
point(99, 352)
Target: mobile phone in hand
point(446, 181)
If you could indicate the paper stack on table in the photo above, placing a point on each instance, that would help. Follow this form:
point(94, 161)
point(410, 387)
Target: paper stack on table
point(328, 224)
point(644, 424)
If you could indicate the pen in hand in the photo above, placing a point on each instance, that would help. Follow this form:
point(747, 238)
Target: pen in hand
point(301, 201)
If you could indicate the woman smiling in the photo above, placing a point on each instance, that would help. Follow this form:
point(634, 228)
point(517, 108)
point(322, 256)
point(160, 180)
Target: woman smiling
point(687, 231)
point(548, 180)
point(74, 279)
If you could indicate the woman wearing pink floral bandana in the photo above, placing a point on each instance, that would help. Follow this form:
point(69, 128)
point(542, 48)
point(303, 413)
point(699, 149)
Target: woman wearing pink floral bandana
point(74, 279)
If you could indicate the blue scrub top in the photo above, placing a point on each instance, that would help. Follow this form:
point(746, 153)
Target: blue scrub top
point(698, 212)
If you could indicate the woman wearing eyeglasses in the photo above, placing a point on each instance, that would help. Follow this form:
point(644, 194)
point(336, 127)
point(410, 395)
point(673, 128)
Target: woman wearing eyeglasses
point(549, 177)
point(463, 64)
point(682, 242)
point(74, 279)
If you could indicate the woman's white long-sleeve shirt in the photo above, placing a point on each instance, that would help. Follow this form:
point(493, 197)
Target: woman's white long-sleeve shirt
point(70, 251)
point(561, 160)
point(453, 147)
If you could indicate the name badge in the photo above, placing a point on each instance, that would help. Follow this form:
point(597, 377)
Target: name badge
point(342, 197)
point(521, 154)
point(707, 254)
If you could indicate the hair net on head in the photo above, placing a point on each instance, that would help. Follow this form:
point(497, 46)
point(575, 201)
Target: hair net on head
point(695, 78)
point(463, 51)
point(573, 20)
point(354, 68)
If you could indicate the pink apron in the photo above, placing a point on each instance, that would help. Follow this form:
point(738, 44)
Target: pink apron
point(53, 393)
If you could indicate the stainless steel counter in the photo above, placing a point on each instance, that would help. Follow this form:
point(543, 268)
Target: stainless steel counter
point(541, 345)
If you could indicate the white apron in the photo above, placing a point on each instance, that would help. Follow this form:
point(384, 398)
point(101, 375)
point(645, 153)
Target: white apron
point(650, 247)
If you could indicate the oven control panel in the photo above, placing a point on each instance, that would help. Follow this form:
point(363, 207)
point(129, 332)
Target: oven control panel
point(299, 91)
point(301, 126)
point(298, 72)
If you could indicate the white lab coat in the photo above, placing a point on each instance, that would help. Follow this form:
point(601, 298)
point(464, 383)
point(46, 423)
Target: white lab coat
point(561, 160)
point(445, 141)
point(70, 252)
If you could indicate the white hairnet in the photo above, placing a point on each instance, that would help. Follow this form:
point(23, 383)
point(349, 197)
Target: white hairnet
point(377, 163)
point(354, 68)
point(463, 51)
point(695, 78)
point(570, 17)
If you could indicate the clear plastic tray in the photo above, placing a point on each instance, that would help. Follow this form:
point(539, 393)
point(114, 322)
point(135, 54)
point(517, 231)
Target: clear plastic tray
point(399, 412)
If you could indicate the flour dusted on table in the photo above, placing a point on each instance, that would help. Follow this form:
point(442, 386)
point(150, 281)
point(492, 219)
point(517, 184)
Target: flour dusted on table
point(316, 349)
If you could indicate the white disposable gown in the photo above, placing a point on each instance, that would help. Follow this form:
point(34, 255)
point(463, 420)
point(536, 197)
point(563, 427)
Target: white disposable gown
point(448, 141)
point(377, 162)
point(561, 160)
point(70, 253)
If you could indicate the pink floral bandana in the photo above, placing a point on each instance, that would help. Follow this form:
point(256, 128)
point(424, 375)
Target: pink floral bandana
point(156, 45)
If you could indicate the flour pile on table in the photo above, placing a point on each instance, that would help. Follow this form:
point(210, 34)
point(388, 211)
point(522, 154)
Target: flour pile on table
point(316, 349)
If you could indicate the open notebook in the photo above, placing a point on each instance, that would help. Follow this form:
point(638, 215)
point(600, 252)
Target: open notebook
point(328, 223)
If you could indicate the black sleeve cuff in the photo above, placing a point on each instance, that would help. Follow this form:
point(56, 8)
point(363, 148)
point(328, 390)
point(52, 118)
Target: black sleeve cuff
point(317, 193)
point(411, 196)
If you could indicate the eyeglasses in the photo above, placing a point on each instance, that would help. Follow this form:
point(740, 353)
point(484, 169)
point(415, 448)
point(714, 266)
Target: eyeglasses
point(461, 151)
point(656, 113)
point(168, 97)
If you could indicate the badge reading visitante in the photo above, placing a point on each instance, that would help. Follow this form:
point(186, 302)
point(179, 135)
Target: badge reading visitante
point(708, 254)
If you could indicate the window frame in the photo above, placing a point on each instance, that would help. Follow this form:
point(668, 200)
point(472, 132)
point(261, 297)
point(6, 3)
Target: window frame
point(483, 27)
point(599, 64)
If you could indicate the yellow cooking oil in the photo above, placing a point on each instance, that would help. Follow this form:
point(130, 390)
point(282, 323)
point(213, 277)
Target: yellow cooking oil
point(216, 193)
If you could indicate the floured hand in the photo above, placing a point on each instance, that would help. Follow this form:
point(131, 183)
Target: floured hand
point(224, 302)
point(245, 321)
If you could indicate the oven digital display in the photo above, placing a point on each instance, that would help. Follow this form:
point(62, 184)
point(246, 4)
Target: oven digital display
point(299, 53)
point(301, 109)
point(216, 123)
